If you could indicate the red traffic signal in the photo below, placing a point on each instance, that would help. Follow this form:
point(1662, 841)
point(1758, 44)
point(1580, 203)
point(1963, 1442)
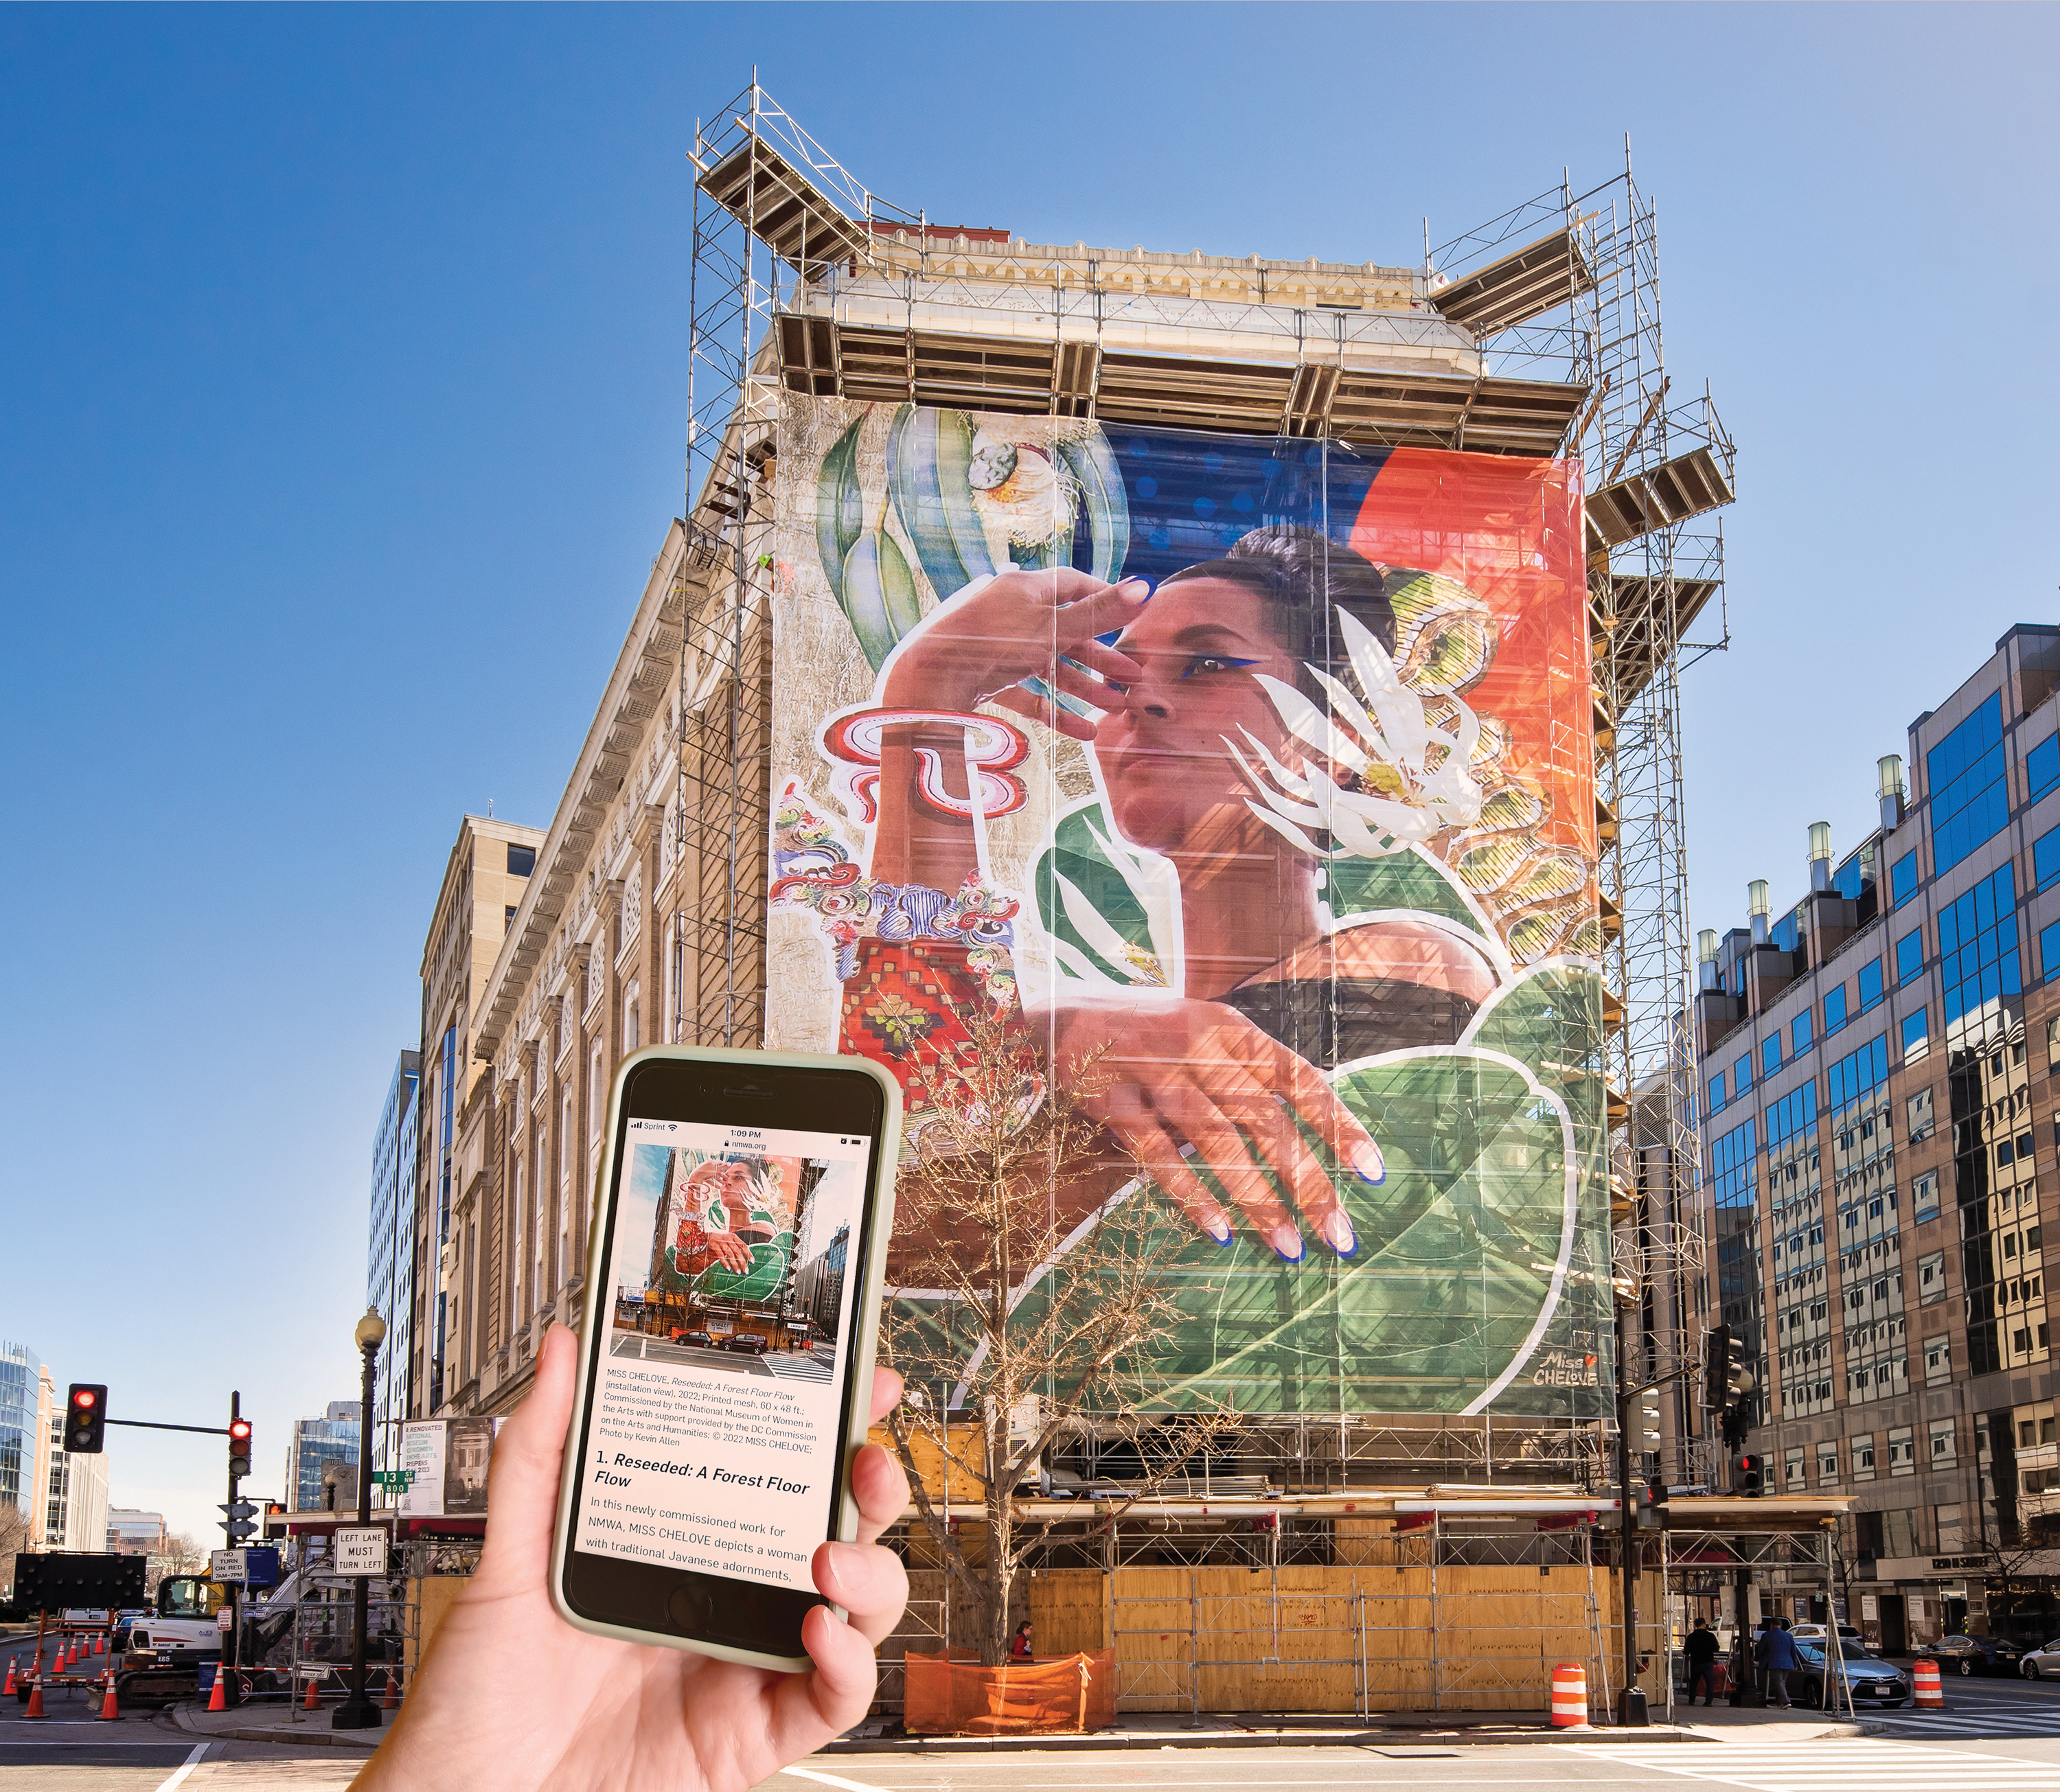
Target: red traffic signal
point(85, 1419)
point(239, 1447)
point(1748, 1474)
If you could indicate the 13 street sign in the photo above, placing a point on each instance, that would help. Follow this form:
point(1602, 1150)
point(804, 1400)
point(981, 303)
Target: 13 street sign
point(360, 1550)
point(393, 1477)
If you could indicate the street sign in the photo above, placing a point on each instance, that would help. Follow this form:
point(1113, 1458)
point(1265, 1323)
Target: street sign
point(393, 1477)
point(231, 1567)
point(360, 1550)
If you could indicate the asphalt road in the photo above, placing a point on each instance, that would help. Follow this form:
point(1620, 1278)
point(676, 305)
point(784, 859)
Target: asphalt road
point(813, 1365)
point(1995, 1733)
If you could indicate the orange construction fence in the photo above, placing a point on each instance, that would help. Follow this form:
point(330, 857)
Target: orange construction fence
point(962, 1698)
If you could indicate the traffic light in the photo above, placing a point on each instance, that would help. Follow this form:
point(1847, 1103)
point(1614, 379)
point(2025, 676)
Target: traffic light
point(1748, 1474)
point(85, 1419)
point(1735, 1427)
point(1716, 1368)
point(1724, 1368)
point(239, 1447)
point(242, 1514)
point(275, 1519)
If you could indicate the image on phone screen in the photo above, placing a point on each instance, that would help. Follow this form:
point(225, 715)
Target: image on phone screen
point(713, 1440)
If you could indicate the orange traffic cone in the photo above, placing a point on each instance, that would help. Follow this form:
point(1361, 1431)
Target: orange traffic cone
point(392, 1701)
point(108, 1709)
point(312, 1702)
point(100, 1644)
point(35, 1700)
point(218, 1699)
point(7, 1691)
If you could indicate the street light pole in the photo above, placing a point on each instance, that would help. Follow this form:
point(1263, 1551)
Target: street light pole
point(358, 1712)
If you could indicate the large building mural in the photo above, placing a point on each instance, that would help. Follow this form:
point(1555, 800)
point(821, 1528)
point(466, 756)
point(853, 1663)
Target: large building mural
point(1264, 768)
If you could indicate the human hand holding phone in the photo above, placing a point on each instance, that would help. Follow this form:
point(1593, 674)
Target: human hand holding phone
point(512, 1696)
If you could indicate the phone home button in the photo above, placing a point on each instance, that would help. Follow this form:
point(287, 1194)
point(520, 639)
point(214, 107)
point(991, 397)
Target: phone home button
point(689, 1608)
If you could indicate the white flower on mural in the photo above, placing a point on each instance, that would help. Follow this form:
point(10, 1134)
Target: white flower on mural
point(1381, 776)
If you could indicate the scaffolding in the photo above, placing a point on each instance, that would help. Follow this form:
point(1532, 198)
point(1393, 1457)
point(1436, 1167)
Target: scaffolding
point(1656, 469)
point(774, 216)
point(1538, 334)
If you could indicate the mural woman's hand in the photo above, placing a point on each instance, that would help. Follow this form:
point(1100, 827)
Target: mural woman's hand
point(978, 647)
point(731, 1252)
point(1189, 1074)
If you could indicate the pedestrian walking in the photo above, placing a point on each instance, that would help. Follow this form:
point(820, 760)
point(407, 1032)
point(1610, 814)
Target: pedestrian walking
point(1778, 1656)
point(1702, 1652)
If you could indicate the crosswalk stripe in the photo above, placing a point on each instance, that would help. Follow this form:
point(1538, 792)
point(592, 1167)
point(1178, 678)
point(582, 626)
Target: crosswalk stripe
point(1828, 1765)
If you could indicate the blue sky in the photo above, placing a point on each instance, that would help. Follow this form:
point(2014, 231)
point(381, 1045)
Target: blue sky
point(343, 409)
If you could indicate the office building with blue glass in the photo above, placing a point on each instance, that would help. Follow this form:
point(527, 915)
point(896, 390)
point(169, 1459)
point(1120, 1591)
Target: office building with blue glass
point(389, 1274)
point(1879, 1139)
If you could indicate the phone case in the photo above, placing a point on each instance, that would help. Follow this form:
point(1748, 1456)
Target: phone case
point(858, 1398)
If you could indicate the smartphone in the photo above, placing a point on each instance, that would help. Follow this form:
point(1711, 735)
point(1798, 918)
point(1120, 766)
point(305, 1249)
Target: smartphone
point(733, 1302)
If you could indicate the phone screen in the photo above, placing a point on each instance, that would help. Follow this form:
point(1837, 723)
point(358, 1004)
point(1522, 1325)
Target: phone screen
point(713, 1439)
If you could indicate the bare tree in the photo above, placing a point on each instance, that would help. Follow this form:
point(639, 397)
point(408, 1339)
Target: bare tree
point(178, 1555)
point(1043, 1307)
point(13, 1539)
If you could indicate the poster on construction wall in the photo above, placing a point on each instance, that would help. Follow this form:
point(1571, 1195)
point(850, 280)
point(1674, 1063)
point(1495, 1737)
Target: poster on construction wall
point(448, 1459)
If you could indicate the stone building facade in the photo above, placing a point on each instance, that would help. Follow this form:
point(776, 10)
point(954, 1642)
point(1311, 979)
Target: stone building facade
point(604, 951)
point(486, 879)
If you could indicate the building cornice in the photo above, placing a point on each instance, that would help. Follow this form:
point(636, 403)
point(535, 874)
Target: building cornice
point(644, 670)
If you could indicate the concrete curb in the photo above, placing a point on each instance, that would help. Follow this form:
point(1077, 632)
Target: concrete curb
point(1122, 1739)
point(1407, 1736)
point(304, 1734)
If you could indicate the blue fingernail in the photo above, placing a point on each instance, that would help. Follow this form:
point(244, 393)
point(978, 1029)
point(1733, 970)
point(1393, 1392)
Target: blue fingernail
point(1274, 1237)
point(1364, 1154)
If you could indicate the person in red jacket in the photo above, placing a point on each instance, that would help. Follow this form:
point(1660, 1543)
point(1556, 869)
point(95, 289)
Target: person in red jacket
point(1019, 1645)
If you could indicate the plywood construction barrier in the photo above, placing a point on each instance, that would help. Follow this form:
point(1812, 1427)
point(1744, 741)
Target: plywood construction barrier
point(1338, 1639)
point(432, 1596)
point(965, 1446)
point(953, 1698)
point(1069, 1610)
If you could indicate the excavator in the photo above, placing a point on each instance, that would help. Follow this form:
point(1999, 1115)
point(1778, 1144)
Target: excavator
point(167, 1646)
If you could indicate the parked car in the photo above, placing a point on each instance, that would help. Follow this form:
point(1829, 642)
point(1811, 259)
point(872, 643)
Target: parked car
point(1850, 1632)
point(1868, 1677)
point(752, 1341)
point(2040, 1663)
point(700, 1338)
point(1974, 1654)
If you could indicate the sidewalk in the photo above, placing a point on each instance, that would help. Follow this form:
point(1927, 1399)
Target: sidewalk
point(274, 1723)
point(1174, 1729)
point(1169, 1730)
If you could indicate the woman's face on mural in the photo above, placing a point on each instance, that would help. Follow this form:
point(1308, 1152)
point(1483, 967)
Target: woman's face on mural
point(1171, 781)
